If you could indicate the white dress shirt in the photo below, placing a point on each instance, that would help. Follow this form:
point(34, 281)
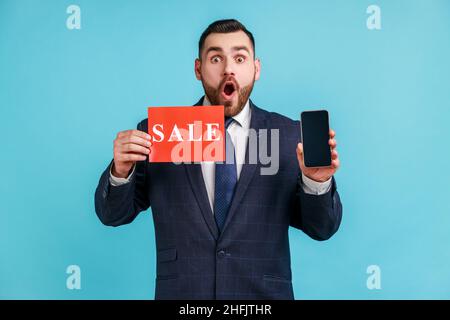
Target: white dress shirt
point(238, 130)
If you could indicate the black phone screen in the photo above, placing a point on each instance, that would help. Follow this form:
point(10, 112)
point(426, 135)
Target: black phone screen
point(315, 135)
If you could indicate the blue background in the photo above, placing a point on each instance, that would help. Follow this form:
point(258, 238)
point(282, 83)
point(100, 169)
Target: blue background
point(64, 95)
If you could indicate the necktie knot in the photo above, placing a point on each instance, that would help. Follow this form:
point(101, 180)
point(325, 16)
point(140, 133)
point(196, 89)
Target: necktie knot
point(228, 121)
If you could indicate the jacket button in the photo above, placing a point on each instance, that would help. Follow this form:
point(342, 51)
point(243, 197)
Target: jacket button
point(221, 253)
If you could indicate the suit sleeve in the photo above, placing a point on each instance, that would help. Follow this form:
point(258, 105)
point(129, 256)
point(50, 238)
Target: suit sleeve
point(118, 205)
point(319, 216)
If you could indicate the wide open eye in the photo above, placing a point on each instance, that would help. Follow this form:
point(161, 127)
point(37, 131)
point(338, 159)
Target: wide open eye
point(216, 59)
point(240, 59)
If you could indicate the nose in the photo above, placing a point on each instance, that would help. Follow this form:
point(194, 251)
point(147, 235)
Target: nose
point(228, 70)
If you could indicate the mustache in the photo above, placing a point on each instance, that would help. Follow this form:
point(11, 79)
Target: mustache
point(229, 79)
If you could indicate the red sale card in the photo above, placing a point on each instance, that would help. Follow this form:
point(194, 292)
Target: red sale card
point(186, 134)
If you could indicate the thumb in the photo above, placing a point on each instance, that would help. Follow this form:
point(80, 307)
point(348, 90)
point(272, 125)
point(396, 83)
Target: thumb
point(300, 149)
point(300, 153)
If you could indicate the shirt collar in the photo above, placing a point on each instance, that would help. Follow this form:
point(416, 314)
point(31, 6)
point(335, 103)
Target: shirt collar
point(242, 118)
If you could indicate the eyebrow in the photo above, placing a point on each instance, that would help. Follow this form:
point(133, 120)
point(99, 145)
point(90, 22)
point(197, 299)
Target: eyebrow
point(238, 48)
point(213, 49)
point(219, 49)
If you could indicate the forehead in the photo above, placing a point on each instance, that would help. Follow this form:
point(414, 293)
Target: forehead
point(226, 41)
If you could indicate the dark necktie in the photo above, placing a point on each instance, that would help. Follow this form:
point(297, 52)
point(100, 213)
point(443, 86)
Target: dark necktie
point(226, 179)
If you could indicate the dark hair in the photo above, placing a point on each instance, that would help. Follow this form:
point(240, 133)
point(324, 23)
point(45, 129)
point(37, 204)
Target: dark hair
point(224, 26)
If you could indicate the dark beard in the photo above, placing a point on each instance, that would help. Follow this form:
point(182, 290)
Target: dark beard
point(213, 95)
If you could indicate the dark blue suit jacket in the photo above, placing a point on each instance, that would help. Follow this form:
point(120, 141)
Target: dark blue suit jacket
point(250, 259)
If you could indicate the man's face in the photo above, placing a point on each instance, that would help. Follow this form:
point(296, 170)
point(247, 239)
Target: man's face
point(228, 70)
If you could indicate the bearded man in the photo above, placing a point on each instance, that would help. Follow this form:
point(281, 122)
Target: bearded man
point(222, 228)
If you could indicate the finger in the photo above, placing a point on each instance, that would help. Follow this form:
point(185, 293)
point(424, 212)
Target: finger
point(299, 149)
point(136, 140)
point(335, 164)
point(134, 132)
point(141, 134)
point(334, 154)
point(134, 148)
point(332, 133)
point(131, 157)
point(332, 143)
point(129, 133)
point(300, 154)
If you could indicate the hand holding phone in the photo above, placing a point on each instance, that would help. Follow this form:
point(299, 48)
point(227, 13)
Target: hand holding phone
point(315, 133)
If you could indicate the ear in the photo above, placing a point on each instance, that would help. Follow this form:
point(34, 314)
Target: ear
point(257, 69)
point(197, 68)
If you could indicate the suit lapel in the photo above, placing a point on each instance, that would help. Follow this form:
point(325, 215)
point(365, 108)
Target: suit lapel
point(257, 122)
point(195, 175)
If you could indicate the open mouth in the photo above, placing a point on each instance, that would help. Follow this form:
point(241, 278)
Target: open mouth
point(228, 90)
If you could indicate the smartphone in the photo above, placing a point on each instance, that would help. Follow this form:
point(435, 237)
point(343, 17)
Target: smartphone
point(315, 133)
